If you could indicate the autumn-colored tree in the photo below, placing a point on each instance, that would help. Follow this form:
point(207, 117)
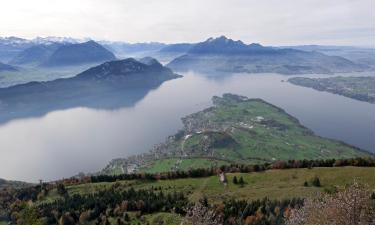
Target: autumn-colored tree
point(67, 219)
point(250, 220)
point(84, 217)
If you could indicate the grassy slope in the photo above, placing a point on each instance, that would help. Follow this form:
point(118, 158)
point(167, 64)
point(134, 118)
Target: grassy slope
point(237, 136)
point(274, 184)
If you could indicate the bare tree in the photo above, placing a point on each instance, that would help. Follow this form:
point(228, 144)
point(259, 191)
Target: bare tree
point(202, 215)
point(352, 206)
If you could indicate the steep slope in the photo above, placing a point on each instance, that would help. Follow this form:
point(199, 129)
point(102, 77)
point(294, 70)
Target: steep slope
point(236, 130)
point(225, 55)
point(82, 53)
point(36, 54)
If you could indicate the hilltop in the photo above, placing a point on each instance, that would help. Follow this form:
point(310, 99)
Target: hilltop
point(235, 130)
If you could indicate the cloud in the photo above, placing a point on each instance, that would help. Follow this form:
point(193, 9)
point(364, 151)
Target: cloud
point(272, 22)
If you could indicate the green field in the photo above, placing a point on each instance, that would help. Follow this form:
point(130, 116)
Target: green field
point(274, 184)
point(237, 130)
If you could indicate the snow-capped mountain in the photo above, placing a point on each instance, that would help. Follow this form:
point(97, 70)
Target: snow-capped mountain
point(63, 40)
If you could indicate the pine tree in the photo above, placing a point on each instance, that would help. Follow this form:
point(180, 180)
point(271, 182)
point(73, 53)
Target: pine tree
point(235, 181)
point(241, 181)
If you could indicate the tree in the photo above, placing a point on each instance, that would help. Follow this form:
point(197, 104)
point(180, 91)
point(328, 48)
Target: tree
point(235, 181)
point(61, 189)
point(29, 216)
point(201, 215)
point(352, 206)
point(67, 219)
point(241, 182)
point(315, 182)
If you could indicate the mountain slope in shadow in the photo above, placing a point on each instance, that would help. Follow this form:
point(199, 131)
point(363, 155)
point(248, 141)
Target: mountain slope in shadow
point(111, 85)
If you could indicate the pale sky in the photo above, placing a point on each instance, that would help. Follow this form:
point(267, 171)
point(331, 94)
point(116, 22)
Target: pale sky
point(269, 22)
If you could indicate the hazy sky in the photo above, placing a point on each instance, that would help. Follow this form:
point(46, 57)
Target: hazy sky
point(270, 22)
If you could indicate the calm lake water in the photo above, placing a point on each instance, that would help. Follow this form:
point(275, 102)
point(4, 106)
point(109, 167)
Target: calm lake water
point(65, 142)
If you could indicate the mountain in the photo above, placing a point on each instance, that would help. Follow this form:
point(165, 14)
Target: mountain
point(5, 67)
point(76, 54)
point(172, 51)
point(226, 55)
point(11, 46)
point(177, 48)
point(61, 40)
point(235, 130)
point(124, 49)
point(111, 85)
point(36, 54)
point(360, 55)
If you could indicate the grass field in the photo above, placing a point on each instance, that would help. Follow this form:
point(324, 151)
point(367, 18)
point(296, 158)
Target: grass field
point(274, 184)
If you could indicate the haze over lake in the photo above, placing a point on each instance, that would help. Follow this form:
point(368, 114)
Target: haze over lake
point(64, 143)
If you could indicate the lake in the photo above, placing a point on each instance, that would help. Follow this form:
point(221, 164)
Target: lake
point(65, 142)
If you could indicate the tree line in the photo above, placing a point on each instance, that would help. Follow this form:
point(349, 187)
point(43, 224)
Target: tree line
point(234, 168)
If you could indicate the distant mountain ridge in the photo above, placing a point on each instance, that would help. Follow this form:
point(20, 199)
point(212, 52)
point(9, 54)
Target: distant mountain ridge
point(74, 54)
point(226, 55)
point(6, 67)
point(36, 54)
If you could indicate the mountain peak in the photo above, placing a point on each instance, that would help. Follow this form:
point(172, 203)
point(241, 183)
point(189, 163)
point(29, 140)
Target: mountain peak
point(149, 61)
point(124, 67)
point(219, 45)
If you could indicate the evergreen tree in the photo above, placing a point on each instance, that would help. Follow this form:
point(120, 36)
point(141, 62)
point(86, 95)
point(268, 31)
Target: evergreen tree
point(241, 181)
point(316, 182)
point(235, 181)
